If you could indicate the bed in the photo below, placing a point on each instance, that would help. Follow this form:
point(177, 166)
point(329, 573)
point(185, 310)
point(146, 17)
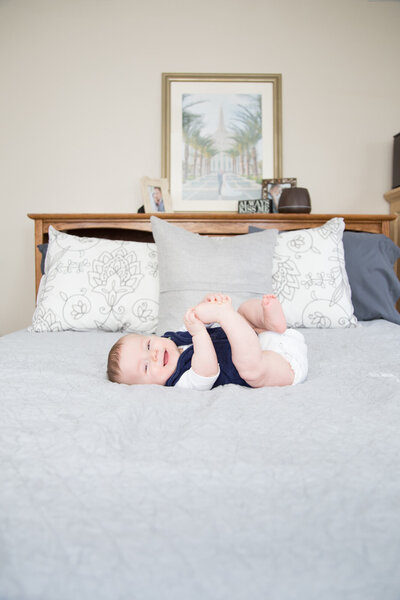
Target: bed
point(118, 492)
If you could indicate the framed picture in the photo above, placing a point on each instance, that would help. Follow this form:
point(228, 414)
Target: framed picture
point(221, 136)
point(156, 197)
point(272, 190)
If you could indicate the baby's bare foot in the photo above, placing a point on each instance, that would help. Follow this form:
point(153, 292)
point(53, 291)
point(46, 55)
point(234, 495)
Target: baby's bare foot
point(218, 298)
point(212, 309)
point(274, 319)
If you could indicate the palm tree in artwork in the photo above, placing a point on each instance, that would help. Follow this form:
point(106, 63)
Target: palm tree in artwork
point(209, 152)
point(206, 149)
point(248, 131)
point(234, 152)
point(201, 145)
point(191, 125)
point(241, 146)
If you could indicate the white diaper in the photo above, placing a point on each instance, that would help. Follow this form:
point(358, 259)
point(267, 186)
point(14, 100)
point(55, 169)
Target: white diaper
point(291, 346)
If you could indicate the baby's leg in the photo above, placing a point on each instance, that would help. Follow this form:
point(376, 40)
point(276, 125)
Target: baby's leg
point(259, 368)
point(275, 371)
point(265, 314)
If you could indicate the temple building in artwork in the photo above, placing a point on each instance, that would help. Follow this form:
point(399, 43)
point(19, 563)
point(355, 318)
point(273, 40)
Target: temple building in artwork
point(222, 160)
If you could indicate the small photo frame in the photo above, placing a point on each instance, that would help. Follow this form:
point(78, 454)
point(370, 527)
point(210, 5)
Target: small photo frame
point(156, 196)
point(272, 190)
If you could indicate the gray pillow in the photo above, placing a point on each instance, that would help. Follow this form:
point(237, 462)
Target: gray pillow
point(192, 265)
point(375, 288)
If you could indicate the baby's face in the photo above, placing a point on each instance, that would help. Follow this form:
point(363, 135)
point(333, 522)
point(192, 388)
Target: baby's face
point(147, 359)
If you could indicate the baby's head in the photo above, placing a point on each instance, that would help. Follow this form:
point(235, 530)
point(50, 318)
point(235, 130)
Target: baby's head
point(142, 359)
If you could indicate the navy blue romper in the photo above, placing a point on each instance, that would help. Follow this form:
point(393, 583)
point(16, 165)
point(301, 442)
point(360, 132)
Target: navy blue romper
point(228, 371)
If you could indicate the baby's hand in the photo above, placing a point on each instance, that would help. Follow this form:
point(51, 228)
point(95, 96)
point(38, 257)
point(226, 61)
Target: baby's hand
point(192, 322)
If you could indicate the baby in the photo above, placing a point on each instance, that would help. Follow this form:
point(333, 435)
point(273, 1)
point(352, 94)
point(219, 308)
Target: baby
point(250, 347)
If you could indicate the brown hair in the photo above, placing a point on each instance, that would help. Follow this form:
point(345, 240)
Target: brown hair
point(113, 368)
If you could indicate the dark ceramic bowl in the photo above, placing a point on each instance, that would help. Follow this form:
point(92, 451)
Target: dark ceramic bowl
point(294, 200)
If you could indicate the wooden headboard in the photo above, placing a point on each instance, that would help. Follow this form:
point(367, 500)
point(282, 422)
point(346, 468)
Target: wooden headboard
point(137, 227)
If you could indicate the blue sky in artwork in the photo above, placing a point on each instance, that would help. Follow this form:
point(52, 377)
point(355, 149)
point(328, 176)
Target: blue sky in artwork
point(209, 105)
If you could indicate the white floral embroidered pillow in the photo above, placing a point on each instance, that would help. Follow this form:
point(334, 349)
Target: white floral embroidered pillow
point(93, 283)
point(310, 279)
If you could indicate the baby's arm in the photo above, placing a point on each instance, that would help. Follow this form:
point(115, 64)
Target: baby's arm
point(245, 346)
point(204, 360)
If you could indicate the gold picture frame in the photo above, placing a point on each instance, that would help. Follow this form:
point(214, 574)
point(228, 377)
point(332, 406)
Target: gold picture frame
point(205, 119)
point(156, 197)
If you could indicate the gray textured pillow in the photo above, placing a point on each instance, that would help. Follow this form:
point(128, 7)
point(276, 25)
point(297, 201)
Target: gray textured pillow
point(191, 265)
point(375, 288)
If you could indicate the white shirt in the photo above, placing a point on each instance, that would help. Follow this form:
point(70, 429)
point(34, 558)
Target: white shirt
point(192, 381)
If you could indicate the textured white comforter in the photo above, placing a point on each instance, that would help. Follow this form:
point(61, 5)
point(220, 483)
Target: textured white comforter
point(112, 492)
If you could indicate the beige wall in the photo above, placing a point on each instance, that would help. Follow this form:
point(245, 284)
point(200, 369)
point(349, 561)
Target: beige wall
point(80, 118)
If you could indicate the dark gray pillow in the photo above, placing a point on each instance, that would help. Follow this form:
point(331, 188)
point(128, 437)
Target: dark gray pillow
point(375, 288)
point(43, 251)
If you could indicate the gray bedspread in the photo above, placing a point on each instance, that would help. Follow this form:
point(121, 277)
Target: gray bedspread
point(147, 493)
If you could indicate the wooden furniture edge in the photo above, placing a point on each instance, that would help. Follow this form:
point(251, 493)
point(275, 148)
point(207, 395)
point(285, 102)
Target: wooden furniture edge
point(223, 223)
point(393, 199)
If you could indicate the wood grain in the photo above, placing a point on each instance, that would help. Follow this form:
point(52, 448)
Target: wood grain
point(137, 227)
